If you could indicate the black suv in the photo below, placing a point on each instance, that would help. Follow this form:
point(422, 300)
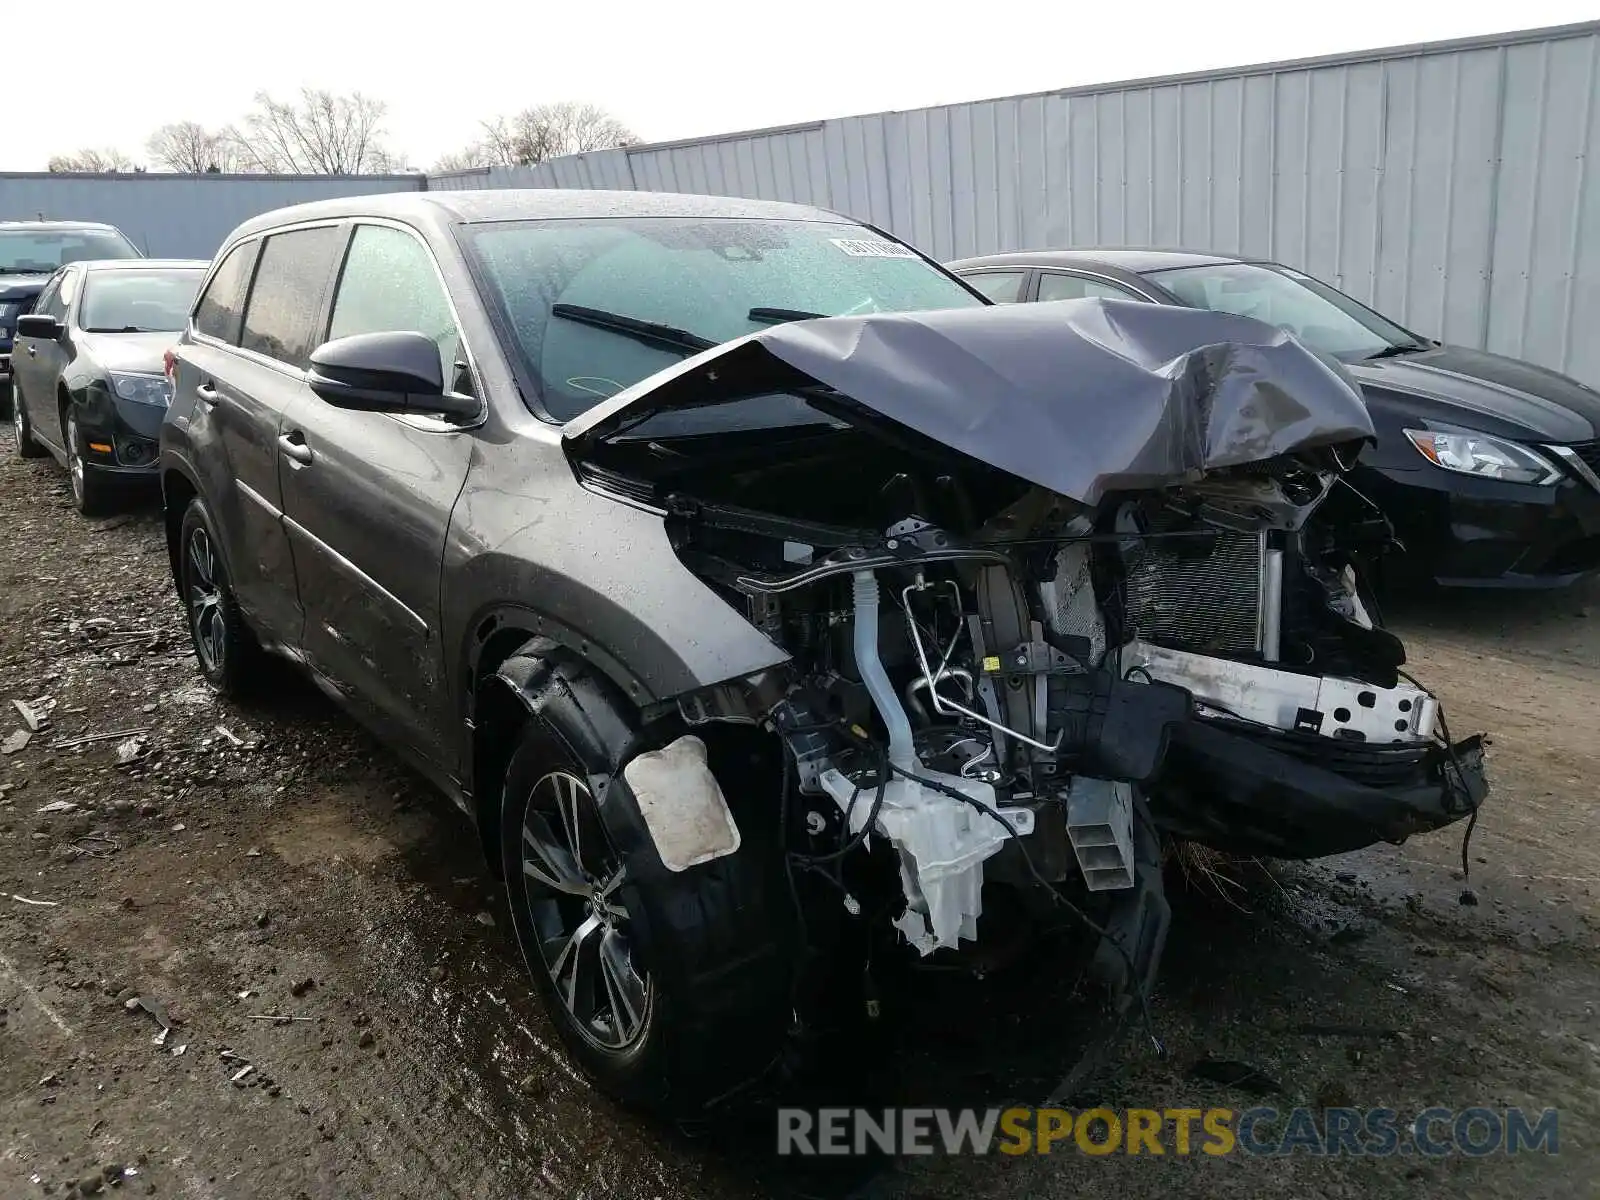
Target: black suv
point(31, 252)
point(774, 603)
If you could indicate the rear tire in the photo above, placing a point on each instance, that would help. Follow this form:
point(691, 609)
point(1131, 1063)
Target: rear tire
point(22, 428)
point(227, 652)
point(713, 999)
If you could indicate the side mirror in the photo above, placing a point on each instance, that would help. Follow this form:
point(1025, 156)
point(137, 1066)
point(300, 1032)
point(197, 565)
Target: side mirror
point(39, 325)
point(393, 372)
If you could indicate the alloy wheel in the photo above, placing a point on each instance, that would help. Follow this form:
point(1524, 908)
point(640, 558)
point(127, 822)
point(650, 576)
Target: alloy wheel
point(75, 458)
point(571, 878)
point(18, 421)
point(204, 595)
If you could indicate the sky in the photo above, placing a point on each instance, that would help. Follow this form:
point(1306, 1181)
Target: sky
point(667, 68)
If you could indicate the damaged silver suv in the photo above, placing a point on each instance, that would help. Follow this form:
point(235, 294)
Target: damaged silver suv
point(774, 604)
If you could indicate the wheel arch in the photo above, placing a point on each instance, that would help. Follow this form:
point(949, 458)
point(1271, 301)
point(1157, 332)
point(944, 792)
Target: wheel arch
point(519, 674)
point(515, 672)
point(63, 402)
point(177, 491)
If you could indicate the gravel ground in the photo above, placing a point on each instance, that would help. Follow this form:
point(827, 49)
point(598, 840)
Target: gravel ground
point(203, 868)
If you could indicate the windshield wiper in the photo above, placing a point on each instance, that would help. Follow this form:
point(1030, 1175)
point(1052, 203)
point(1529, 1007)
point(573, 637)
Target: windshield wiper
point(26, 270)
point(777, 316)
point(651, 333)
point(130, 329)
point(1397, 350)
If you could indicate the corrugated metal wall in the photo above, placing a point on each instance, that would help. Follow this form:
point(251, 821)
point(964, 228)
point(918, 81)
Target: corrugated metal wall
point(1449, 185)
point(178, 216)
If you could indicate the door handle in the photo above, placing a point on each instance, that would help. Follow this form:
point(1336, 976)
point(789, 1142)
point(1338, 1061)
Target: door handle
point(294, 445)
point(31, 350)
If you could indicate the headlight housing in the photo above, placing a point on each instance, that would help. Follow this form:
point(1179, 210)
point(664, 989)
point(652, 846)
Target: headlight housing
point(1479, 454)
point(144, 389)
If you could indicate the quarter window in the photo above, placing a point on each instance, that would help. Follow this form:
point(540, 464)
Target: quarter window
point(389, 284)
point(287, 294)
point(1003, 287)
point(1054, 286)
point(217, 315)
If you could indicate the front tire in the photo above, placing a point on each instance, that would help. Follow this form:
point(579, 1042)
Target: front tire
point(92, 493)
point(22, 428)
point(670, 989)
point(228, 655)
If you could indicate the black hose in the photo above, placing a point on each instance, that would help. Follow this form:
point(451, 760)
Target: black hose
point(1468, 896)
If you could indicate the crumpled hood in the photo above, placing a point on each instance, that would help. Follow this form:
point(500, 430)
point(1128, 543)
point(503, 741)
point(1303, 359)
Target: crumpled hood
point(1080, 397)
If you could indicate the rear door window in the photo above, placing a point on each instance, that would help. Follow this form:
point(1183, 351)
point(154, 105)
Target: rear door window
point(389, 284)
point(288, 291)
point(222, 304)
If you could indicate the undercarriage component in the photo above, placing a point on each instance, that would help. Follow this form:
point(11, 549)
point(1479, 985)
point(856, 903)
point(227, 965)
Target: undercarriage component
point(1336, 708)
point(1115, 726)
point(682, 804)
point(941, 842)
point(1100, 825)
point(1238, 790)
point(1071, 608)
point(870, 664)
point(941, 839)
point(1136, 926)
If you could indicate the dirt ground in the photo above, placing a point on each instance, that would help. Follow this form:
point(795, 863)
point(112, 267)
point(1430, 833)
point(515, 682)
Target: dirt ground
point(233, 864)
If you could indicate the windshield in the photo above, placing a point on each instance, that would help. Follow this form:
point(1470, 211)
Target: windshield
point(1319, 316)
point(41, 251)
point(148, 300)
point(595, 306)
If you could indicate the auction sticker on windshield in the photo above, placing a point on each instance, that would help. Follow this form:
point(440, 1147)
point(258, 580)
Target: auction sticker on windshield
point(873, 248)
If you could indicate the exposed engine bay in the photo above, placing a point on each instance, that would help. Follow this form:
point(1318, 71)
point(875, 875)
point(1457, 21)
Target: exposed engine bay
point(1013, 666)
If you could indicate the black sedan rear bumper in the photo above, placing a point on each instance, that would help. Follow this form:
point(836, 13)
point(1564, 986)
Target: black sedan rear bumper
point(1244, 790)
point(1463, 531)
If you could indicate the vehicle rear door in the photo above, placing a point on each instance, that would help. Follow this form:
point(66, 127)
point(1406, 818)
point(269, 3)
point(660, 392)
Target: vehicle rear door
point(251, 342)
point(367, 501)
point(21, 361)
point(37, 362)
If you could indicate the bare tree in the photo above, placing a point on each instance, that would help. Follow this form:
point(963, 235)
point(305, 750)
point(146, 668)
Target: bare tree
point(191, 148)
point(542, 132)
point(91, 161)
point(321, 133)
point(473, 157)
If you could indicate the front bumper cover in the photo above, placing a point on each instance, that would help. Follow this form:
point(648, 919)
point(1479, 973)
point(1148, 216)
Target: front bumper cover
point(131, 428)
point(1244, 790)
point(1469, 532)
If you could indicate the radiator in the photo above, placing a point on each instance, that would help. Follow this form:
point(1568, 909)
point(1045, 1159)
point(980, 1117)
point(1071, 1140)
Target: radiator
point(1226, 602)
